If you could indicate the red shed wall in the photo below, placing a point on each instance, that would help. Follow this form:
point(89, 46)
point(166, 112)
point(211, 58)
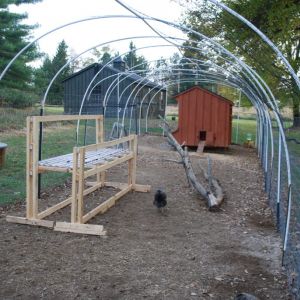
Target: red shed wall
point(203, 111)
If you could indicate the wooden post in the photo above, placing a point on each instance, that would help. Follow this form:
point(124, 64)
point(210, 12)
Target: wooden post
point(74, 186)
point(29, 168)
point(32, 169)
point(35, 167)
point(99, 130)
point(80, 185)
point(101, 176)
point(132, 163)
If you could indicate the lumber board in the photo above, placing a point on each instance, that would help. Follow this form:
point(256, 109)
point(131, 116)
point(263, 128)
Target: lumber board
point(116, 185)
point(142, 188)
point(109, 143)
point(54, 169)
point(29, 168)
point(80, 172)
point(92, 188)
point(21, 220)
point(103, 207)
point(56, 118)
point(108, 165)
point(34, 170)
point(74, 186)
point(65, 203)
point(54, 208)
point(80, 228)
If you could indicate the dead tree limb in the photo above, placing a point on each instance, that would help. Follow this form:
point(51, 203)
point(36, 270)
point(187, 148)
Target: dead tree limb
point(215, 183)
point(213, 201)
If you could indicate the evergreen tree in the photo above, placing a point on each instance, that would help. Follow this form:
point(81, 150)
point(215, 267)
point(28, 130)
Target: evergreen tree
point(15, 87)
point(134, 61)
point(48, 70)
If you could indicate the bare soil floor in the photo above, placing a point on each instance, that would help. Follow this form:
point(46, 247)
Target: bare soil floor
point(189, 253)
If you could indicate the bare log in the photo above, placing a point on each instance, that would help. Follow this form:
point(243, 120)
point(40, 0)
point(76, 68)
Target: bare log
point(217, 187)
point(213, 201)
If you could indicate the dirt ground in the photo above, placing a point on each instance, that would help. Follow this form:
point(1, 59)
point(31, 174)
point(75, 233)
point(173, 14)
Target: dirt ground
point(189, 253)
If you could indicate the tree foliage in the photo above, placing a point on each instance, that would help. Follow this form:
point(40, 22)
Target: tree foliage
point(134, 61)
point(278, 19)
point(104, 55)
point(15, 87)
point(48, 70)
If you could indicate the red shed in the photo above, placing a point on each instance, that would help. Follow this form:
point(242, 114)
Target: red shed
point(203, 116)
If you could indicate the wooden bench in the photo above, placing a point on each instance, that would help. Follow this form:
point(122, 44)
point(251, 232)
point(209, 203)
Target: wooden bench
point(84, 162)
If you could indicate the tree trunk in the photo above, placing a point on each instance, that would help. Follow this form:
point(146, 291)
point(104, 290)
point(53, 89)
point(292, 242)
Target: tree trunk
point(296, 113)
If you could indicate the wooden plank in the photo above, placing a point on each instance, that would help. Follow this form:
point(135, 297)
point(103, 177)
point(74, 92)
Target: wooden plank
point(132, 163)
point(35, 160)
point(55, 118)
point(54, 169)
point(116, 185)
point(142, 188)
point(54, 208)
point(107, 165)
point(109, 143)
point(92, 189)
point(80, 228)
point(103, 207)
point(66, 202)
point(99, 139)
point(99, 130)
point(80, 185)
point(74, 186)
point(29, 168)
point(21, 220)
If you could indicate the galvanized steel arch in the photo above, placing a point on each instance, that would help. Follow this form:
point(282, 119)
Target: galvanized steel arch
point(223, 50)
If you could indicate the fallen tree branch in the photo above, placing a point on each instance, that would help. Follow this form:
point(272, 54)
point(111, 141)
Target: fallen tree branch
point(213, 201)
point(215, 183)
point(173, 160)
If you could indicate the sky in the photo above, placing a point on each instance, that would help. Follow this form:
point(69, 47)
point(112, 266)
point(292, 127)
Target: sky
point(50, 14)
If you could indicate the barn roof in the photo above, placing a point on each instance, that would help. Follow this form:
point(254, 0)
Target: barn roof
point(129, 75)
point(206, 91)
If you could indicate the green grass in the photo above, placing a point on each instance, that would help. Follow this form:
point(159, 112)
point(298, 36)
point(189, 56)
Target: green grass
point(245, 127)
point(15, 119)
point(56, 141)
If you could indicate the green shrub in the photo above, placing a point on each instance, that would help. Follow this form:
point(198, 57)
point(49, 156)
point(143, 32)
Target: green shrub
point(17, 98)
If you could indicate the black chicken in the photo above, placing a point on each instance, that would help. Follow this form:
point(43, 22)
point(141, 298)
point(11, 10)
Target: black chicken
point(160, 200)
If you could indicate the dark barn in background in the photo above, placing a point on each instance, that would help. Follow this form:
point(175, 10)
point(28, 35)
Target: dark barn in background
point(203, 117)
point(120, 78)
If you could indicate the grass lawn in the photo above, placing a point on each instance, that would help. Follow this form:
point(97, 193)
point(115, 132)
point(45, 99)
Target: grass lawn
point(241, 128)
point(12, 118)
point(56, 141)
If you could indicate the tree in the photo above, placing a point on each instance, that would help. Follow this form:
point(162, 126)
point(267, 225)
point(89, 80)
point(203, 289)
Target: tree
point(278, 19)
point(135, 62)
point(15, 87)
point(103, 56)
point(48, 70)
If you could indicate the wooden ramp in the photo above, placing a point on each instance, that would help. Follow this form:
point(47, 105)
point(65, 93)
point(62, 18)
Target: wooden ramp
point(201, 146)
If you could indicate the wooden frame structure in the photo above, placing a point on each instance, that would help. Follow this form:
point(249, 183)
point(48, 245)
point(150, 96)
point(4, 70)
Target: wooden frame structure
point(84, 162)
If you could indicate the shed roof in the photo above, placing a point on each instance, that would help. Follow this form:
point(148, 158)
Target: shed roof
point(130, 75)
point(206, 91)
